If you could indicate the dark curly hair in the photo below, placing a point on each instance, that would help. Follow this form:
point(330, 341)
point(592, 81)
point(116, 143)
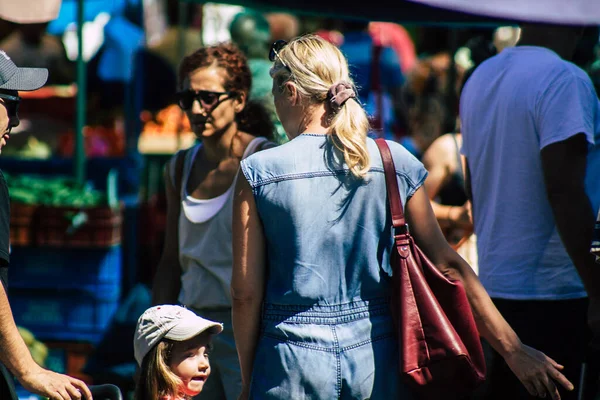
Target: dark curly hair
point(254, 119)
point(224, 55)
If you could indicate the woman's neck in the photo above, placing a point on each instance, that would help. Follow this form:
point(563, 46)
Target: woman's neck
point(220, 147)
point(315, 122)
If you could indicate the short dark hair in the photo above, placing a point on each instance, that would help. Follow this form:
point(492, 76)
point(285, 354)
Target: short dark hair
point(225, 55)
point(254, 119)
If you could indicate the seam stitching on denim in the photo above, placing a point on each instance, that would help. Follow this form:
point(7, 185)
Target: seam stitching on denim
point(320, 174)
point(338, 361)
point(365, 342)
point(299, 344)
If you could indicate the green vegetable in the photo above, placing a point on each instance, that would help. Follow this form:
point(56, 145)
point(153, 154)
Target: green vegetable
point(53, 191)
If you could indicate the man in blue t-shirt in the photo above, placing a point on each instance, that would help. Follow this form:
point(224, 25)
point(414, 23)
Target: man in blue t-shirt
point(531, 137)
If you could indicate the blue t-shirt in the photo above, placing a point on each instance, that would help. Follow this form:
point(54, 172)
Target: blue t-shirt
point(515, 104)
point(358, 49)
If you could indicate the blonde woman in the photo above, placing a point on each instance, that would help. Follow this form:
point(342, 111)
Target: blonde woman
point(312, 239)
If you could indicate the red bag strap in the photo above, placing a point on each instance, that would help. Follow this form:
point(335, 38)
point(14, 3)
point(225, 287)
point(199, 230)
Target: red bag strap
point(391, 184)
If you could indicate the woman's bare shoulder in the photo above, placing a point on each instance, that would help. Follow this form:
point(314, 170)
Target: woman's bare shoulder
point(442, 150)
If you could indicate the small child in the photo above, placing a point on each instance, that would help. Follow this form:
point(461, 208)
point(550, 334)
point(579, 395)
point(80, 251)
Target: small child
point(171, 346)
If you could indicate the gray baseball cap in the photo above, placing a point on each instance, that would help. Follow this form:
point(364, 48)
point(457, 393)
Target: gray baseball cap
point(20, 79)
point(168, 322)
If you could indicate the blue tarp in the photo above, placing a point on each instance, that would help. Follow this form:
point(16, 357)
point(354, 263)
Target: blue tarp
point(68, 12)
point(122, 40)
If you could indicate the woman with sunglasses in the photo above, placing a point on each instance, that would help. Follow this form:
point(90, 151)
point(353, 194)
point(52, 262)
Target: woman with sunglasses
point(195, 267)
point(312, 240)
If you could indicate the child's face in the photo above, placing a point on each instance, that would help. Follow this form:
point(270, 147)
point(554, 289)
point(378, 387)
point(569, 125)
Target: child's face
point(189, 361)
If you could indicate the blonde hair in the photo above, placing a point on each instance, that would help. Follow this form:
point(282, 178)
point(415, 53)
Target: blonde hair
point(156, 378)
point(315, 65)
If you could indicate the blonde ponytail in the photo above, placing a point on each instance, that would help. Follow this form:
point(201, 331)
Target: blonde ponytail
point(350, 126)
point(317, 68)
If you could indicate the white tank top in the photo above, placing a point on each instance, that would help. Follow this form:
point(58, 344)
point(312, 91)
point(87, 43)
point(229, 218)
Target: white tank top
point(205, 251)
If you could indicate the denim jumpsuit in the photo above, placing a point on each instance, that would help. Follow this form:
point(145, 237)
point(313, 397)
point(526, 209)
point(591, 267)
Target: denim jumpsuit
point(326, 329)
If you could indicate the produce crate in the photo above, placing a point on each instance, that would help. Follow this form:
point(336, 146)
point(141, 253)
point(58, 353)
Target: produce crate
point(95, 227)
point(91, 270)
point(21, 221)
point(59, 212)
point(78, 227)
point(71, 315)
point(66, 295)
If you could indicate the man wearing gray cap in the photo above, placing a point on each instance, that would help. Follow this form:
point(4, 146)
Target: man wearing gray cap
point(13, 351)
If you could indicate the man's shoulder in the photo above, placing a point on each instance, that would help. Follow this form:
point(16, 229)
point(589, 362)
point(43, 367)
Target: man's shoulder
point(550, 66)
point(572, 71)
point(526, 58)
point(534, 68)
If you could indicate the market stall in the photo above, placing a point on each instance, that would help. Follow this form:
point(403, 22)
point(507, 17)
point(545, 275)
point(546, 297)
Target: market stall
point(165, 132)
point(71, 186)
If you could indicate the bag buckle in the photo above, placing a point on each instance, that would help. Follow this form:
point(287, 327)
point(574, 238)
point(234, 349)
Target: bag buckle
point(401, 230)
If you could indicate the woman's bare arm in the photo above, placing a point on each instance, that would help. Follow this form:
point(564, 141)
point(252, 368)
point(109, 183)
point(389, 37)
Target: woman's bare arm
point(248, 278)
point(437, 162)
point(440, 162)
point(534, 369)
point(167, 281)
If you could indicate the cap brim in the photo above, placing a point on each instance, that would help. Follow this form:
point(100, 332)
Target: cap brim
point(192, 327)
point(27, 79)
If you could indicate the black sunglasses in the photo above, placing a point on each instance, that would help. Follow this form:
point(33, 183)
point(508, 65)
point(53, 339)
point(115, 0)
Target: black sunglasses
point(274, 52)
point(207, 99)
point(11, 103)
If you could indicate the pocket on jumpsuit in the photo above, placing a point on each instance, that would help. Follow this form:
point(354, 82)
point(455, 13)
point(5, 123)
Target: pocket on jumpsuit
point(290, 365)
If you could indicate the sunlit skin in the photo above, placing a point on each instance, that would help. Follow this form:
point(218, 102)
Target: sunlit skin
point(208, 123)
point(223, 144)
point(292, 112)
point(189, 361)
point(3, 125)
point(287, 108)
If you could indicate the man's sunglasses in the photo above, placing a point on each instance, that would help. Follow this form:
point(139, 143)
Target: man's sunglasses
point(207, 99)
point(11, 103)
point(274, 53)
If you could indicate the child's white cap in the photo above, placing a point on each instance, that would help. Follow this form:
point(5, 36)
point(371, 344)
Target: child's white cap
point(168, 322)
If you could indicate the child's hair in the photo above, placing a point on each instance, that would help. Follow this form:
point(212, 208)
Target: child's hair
point(157, 330)
point(156, 378)
point(315, 65)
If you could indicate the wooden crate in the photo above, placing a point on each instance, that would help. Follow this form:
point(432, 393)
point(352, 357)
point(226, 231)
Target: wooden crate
point(54, 226)
point(21, 221)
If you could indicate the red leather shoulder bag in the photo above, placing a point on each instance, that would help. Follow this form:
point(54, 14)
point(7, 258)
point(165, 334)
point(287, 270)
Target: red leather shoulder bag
point(440, 349)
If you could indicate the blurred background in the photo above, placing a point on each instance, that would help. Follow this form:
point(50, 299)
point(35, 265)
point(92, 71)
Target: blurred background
point(84, 167)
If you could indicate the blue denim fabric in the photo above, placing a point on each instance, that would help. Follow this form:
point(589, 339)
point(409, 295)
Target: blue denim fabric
point(347, 351)
point(326, 329)
point(225, 381)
